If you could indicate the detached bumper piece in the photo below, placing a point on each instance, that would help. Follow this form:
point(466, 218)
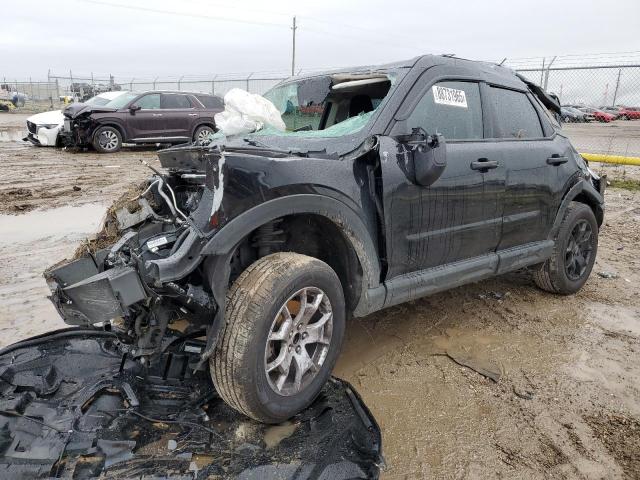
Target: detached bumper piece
point(73, 405)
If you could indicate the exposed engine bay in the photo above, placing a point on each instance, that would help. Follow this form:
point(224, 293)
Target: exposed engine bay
point(148, 278)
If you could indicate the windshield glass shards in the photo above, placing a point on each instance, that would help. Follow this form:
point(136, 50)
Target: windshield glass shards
point(328, 105)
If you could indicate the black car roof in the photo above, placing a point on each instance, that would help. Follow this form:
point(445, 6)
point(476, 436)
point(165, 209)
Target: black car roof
point(487, 71)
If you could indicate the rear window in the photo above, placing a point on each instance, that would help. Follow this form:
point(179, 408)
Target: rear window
point(173, 100)
point(210, 101)
point(517, 118)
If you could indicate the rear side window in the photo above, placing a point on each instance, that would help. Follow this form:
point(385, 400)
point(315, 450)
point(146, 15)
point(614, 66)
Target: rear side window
point(210, 101)
point(174, 100)
point(452, 109)
point(517, 118)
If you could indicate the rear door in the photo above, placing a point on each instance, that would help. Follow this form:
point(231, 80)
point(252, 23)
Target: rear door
point(457, 217)
point(531, 154)
point(148, 122)
point(179, 115)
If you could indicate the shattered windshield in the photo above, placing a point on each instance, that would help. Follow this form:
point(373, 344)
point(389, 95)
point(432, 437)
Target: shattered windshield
point(328, 105)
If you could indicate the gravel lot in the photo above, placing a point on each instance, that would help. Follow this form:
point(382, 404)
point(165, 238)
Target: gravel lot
point(567, 400)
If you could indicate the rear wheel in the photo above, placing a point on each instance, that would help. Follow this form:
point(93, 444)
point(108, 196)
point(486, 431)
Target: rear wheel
point(107, 140)
point(574, 254)
point(283, 330)
point(203, 135)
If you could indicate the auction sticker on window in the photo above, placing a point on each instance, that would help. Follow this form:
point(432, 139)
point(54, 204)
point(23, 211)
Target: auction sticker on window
point(449, 96)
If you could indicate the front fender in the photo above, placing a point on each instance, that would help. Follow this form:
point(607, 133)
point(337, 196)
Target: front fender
point(348, 221)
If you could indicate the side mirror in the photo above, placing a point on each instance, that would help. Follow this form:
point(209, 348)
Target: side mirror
point(429, 156)
point(134, 108)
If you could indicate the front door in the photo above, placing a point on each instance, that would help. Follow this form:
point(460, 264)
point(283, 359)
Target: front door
point(459, 216)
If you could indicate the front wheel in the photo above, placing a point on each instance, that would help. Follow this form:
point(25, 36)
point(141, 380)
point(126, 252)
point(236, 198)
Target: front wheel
point(574, 253)
point(283, 330)
point(107, 140)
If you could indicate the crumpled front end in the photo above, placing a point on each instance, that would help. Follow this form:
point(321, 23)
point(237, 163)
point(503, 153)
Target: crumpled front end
point(142, 273)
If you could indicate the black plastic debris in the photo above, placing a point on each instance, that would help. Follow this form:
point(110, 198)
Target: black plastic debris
point(74, 405)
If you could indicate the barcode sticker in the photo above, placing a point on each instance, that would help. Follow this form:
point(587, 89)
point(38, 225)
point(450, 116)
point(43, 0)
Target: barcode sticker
point(449, 96)
point(157, 242)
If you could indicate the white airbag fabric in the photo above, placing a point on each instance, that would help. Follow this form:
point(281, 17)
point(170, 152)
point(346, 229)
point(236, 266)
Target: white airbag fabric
point(246, 112)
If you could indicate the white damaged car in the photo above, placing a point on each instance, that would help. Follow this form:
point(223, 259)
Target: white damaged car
point(43, 128)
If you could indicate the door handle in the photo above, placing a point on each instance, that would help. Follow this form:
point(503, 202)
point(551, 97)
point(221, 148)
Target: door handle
point(193, 114)
point(556, 160)
point(484, 164)
point(156, 114)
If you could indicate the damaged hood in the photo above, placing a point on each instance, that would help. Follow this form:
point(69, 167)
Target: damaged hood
point(76, 109)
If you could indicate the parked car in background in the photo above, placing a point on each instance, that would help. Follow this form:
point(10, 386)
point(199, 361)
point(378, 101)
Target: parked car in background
point(43, 129)
point(148, 117)
point(573, 115)
point(615, 111)
point(599, 115)
point(624, 113)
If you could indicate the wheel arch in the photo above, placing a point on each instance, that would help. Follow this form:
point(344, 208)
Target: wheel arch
point(203, 123)
point(112, 124)
point(342, 241)
point(583, 192)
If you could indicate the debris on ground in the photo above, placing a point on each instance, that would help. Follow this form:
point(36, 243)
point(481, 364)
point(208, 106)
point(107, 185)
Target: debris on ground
point(479, 365)
point(73, 404)
point(606, 274)
point(123, 213)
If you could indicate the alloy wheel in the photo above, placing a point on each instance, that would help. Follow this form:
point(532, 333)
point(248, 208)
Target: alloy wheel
point(108, 140)
point(204, 136)
point(578, 251)
point(298, 341)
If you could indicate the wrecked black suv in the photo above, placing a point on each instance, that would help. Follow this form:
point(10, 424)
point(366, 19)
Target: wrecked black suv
point(390, 183)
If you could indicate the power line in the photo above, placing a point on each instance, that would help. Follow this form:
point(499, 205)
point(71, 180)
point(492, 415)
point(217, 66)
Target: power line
point(184, 14)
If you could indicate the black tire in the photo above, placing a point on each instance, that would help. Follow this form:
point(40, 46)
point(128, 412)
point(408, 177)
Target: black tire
point(201, 133)
point(107, 140)
point(254, 302)
point(559, 274)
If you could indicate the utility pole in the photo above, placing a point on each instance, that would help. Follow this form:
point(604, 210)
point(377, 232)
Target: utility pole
point(293, 52)
point(615, 93)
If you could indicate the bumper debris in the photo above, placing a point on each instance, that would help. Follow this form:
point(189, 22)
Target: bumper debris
point(73, 404)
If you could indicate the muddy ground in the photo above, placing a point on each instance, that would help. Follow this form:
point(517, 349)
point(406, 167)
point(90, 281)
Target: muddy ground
point(566, 403)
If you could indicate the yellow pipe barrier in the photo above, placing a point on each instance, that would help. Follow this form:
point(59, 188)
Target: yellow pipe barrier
point(617, 159)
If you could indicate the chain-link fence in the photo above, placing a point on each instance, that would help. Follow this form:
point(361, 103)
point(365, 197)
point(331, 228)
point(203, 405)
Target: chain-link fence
point(601, 104)
point(600, 93)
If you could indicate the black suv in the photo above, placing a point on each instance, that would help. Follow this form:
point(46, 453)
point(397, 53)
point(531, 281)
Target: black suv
point(391, 183)
point(149, 117)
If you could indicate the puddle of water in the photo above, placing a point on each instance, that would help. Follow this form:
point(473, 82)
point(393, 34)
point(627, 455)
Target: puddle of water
point(275, 434)
point(63, 222)
point(12, 134)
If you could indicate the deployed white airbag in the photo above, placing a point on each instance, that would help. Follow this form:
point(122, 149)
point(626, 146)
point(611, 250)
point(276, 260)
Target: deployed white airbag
point(246, 112)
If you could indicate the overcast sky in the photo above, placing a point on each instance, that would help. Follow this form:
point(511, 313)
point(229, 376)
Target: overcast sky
point(146, 38)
